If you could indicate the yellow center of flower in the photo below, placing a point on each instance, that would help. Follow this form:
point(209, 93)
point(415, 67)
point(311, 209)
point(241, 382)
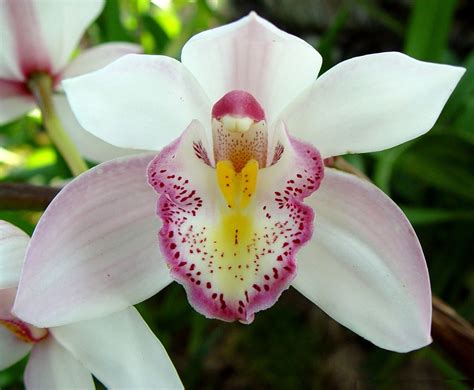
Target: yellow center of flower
point(233, 237)
point(237, 188)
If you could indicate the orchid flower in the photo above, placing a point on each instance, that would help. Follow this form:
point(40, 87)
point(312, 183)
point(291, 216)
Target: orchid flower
point(38, 37)
point(239, 201)
point(119, 349)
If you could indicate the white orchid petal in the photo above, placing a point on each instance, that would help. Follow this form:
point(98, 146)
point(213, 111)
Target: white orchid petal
point(40, 35)
point(364, 265)
point(138, 101)
point(255, 56)
point(371, 103)
point(52, 367)
point(89, 145)
point(99, 56)
point(121, 351)
point(13, 243)
point(12, 349)
point(95, 250)
point(14, 107)
point(15, 100)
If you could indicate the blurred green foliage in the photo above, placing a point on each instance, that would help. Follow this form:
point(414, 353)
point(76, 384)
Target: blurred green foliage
point(293, 344)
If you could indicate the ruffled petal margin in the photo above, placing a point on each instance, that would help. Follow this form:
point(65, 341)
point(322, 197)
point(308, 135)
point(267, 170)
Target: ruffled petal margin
point(233, 262)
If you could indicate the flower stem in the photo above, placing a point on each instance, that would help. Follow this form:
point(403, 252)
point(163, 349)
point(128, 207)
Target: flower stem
point(41, 85)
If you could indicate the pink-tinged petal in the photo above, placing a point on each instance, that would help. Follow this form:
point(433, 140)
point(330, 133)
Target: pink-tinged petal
point(138, 101)
point(95, 249)
point(52, 367)
point(23, 47)
point(13, 243)
point(233, 259)
point(99, 56)
point(15, 100)
point(364, 265)
point(121, 351)
point(40, 35)
point(89, 145)
point(371, 103)
point(255, 56)
point(12, 347)
point(7, 297)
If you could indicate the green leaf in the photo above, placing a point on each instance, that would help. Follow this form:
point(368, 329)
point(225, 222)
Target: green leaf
point(111, 24)
point(446, 368)
point(428, 216)
point(380, 15)
point(443, 161)
point(327, 41)
point(429, 27)
point(465, 120)
point(160, 36)
point(462, 99)
point(384, 164)
point(13, 375)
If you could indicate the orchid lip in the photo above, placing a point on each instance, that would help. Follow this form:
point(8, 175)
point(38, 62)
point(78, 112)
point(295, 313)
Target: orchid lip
point(231, 230)
point(25, 332)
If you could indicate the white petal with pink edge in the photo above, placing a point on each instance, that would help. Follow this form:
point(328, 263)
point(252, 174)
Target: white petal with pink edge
point(364, 265)
point(12, 347)
point(52, 367)
point(121, 351)
point(138, 101)
point(40, 35)
point(255, 56)
point(371, 103)
point(99, 56)
point(233, 253)
point(95, 249)
point(89, 145)
point(13, 243)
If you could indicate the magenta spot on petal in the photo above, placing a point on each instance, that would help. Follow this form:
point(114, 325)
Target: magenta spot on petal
point(193, 257)
point(240, 104)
